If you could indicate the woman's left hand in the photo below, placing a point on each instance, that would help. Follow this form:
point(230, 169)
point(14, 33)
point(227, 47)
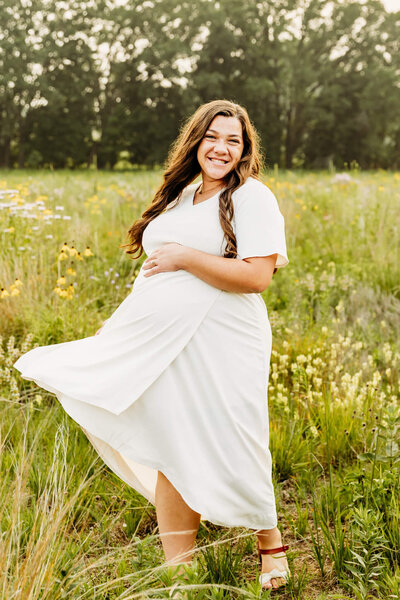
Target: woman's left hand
point(169, 257)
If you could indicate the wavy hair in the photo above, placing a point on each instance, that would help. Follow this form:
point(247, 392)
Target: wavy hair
point(182, 168)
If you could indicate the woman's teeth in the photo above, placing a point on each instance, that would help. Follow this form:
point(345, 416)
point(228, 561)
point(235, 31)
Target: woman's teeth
point(218, 161)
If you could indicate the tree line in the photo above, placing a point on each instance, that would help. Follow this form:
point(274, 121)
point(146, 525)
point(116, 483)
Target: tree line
point(85, 82)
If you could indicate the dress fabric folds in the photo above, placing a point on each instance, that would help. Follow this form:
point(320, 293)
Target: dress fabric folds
point(176, 380)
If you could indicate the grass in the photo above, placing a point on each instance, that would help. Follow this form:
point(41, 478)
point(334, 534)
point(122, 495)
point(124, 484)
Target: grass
point(71, 529)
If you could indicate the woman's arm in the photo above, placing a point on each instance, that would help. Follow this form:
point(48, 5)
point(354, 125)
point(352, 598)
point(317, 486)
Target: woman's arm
point(250, 275)
point(229, 274)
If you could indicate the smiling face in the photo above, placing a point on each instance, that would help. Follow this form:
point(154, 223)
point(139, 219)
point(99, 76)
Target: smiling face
point(220, 149)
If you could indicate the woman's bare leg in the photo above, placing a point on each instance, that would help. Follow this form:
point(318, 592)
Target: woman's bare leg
point(177, 522)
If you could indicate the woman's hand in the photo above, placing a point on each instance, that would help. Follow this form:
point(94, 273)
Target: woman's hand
point(169, 257)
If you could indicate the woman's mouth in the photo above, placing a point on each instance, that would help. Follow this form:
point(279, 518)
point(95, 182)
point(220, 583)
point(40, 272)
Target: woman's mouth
point(217, 161)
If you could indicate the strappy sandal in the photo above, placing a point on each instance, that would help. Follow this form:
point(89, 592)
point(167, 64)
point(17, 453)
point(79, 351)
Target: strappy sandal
point(275, 573)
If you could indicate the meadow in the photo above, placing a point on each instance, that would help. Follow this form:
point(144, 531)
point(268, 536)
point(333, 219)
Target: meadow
point(72, 529)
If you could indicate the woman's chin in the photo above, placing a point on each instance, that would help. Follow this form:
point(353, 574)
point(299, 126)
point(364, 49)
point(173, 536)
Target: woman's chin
point(216, 174)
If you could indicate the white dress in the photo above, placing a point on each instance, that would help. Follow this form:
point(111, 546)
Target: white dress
point(176, 380)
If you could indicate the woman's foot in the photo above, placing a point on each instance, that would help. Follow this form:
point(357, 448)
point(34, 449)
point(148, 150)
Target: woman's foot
point(267, 539)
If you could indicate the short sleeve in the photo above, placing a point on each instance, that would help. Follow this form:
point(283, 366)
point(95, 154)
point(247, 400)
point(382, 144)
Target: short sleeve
point(259, 224)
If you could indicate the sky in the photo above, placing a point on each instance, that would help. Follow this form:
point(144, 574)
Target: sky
point(392, 5)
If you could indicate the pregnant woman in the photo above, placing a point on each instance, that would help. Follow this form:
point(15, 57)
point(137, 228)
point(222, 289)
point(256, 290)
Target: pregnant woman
point(172, 390)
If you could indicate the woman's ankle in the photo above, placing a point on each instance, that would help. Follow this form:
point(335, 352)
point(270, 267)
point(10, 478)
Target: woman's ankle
point(269, 538)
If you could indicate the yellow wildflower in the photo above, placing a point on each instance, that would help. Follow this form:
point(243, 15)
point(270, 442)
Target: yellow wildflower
point(73, 251)
point(15, 291)
point(63, 256)
point(57, 290)
point(87, 252)
point(78, 256)
point(18, 282)
point(61, 280)
point(71, 271)
point(3, 293)
point(65, 247)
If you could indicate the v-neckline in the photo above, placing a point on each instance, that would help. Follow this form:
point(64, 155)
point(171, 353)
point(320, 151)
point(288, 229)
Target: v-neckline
point(203, 201)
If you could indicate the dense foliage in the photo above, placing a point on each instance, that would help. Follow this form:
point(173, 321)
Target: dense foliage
point(110, 82)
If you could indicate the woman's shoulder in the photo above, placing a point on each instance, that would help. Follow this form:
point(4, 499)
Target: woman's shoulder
point(251, 188)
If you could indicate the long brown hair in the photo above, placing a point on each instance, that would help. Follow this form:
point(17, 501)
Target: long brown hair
point(183, 167)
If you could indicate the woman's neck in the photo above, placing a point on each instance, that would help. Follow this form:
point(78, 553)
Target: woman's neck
point(206, 187)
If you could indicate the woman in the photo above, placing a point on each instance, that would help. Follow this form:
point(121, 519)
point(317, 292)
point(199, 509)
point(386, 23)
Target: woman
point(172, 393)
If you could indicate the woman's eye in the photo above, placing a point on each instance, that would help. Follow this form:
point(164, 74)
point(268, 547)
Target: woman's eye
point(234, 141)
point(209, 136)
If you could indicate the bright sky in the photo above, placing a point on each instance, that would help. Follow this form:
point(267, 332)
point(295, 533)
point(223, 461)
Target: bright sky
point(392, 5)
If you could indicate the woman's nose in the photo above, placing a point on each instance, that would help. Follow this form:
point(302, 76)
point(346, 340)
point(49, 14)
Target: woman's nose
point(220, 145)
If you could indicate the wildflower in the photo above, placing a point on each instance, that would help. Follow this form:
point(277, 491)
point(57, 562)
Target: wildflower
point(15, 292)
point(57, 290)
point(73, 251)
point(301, 359)
point(78, 256)
point(65, 247)
point(87, 252)
point(71, 271)
point(3, 293)
point(61, 280)
point(62, 256)
point(38, 399)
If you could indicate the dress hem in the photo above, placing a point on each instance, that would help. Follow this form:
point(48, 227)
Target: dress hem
point(171, 477)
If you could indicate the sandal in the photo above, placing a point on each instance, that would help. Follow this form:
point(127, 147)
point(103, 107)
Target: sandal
point(275, 573)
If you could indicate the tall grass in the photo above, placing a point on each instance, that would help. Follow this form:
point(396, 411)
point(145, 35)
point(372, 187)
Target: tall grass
point(71, 529)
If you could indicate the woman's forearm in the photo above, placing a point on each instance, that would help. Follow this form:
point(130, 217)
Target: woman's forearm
point(228, 274)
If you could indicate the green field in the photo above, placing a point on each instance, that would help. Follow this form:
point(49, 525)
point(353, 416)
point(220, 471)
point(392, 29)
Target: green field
point(71, 529)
